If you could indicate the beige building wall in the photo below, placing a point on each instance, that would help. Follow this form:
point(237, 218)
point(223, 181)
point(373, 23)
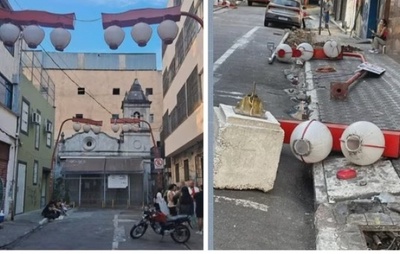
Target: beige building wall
point(100, 84)
point(186, 141)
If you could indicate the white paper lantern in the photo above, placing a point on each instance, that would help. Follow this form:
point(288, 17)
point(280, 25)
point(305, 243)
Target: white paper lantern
point(9, 34)
point(307, 51)
point(141, 33)
point(284, 53)
point(114, 36)
point(311, 141)
point(126, 127)
point(115, 128)
point(168, 30)
point(60, 38)
point(76, 127)
point(332, 49)
point(362, 143)
point(33, 36)
point(86, 128)
point(96, 129)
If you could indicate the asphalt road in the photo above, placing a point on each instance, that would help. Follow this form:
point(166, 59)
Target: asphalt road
point(283, 217)
point(100, 229)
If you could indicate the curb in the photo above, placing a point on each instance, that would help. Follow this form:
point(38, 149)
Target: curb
point(219, 7)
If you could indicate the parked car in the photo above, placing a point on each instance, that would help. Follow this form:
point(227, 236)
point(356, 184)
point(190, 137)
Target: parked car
point(250, 2)
point(287, 12)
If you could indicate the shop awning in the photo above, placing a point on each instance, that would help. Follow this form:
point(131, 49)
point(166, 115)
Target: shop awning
point(101, 166)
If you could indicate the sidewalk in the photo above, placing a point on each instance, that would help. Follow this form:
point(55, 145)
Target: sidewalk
point(347, 209)
point(24, 224)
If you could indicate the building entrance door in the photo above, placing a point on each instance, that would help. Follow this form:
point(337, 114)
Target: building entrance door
point(19, 204)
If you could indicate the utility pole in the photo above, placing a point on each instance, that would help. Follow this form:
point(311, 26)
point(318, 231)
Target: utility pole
point(320, 16)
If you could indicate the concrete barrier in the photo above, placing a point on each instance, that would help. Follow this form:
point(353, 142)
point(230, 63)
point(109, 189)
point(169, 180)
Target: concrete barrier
point(247, 150)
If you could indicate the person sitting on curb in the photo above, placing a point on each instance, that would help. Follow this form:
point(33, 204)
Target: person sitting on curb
point(50, 211)
point(380, 36)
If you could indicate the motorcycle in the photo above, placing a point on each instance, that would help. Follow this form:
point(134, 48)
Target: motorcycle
point(162, 225)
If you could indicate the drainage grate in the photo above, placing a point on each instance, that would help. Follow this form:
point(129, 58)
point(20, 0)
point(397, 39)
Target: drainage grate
point(383, 239)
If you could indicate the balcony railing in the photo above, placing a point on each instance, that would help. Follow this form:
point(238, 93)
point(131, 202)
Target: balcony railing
point(32, 69)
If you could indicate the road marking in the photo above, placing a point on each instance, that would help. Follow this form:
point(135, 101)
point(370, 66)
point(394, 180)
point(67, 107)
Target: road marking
point(228, 92)
point(243, 202)
point(119, 233)
point(230, 96)
point(126, 220)
point(239, 43)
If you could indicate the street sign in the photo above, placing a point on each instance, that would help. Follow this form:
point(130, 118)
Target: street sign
point(371, 68)
point(158, 163)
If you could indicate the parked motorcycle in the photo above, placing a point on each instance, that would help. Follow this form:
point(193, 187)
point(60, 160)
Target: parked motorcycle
point(162, 225)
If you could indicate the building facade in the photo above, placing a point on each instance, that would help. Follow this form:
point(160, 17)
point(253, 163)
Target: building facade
point(182, 133)
point(80, 77)
point(104, 171)
point(9, 69)
point(35, 140)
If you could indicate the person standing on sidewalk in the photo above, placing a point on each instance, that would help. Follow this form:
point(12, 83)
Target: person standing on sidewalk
point(327, 11)
point(380, 36)
point(198, 197)
point(170, 199)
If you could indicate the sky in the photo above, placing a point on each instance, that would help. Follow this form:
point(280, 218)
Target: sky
point(88, 35)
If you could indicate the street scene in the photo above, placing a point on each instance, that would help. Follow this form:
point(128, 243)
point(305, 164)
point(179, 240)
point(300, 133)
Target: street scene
point(94, 229)
point(330, 203)
point(101, 142)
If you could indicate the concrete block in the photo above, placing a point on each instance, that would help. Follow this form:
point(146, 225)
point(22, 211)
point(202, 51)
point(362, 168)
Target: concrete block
point(376, 219)
point(247, 150)
point(356, 219)
point(378, 178)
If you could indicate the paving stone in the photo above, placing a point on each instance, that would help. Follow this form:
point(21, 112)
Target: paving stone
point(357, 219)
point(327, 239)
point(395, 218)
point(375, 219)
point(324, 217)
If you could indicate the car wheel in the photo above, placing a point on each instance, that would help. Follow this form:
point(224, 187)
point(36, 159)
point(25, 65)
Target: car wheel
point(266, 23)
point(249, 3)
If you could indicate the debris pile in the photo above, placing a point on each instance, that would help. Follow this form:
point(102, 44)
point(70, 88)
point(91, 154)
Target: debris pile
point(298, 36)
point(382, 240)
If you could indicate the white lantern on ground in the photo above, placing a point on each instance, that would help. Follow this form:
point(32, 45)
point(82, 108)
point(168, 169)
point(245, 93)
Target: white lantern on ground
point(60, 38)
point(114, 36)
point(96, 129)
point(141, 33)
point(76, 126)
point(307, 51)
point(168, 30)
point(284, 53)
point(311, 141)
point(126, 127)
point(9, 34)
point(362, 143)
point(33, 35)
point(86, 128)
point(115, 128)
point(332, 49)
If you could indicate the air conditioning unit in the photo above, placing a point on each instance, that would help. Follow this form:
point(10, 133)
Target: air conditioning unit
point(49, 127)
point(36, 118)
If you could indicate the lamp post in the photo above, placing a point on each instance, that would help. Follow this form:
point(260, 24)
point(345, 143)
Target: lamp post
point(32, 33)
point(126, 127)
point(77, 126)
point(140, 20)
